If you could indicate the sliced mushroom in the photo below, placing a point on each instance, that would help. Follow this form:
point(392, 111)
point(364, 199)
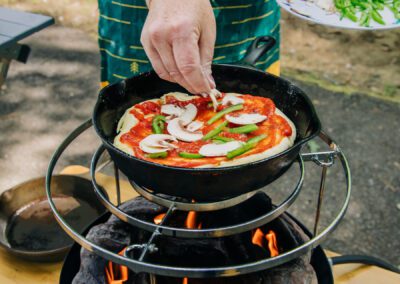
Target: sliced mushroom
point(177, 95)
point(214, 94)
point(177, 129)
point(194, 126)
point(172, 110)
point(246, 118)
point(216, 150)
point(188, 115)
point(156, 143)
point(232, 99)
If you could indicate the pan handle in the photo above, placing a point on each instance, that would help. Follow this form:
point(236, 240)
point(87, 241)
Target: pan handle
point(260, 46)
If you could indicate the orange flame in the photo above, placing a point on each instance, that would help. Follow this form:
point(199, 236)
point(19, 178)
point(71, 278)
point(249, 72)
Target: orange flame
point(266, 240)
point(191, 220)
point(116, 274)
point(191, 223)
point(272, 243)
point(258, 238)
point(158, 219)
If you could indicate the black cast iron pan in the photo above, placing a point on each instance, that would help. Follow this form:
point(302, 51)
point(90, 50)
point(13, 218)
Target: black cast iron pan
point(208, 184)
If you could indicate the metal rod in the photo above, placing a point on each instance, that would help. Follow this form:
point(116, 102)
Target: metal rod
point(320, 197)
point(156, 232)
point(117, 185)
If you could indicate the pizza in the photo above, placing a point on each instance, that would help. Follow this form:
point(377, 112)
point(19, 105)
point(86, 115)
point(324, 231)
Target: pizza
point(219, 130)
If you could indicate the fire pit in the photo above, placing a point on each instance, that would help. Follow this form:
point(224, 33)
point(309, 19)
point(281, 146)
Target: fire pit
point(282, 234)
point(164, 239)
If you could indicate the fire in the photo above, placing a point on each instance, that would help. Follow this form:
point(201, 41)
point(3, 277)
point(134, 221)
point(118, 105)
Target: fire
point(158, 219)
point(191, 221)
point(116, 274)
point(266, 240)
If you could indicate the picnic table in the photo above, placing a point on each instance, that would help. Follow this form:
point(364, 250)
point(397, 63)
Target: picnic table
point(15, 26)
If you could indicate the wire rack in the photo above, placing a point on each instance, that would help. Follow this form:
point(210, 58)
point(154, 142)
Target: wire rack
point(134, 256)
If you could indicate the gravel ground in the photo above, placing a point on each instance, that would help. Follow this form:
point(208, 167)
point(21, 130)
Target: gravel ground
point(48, 97)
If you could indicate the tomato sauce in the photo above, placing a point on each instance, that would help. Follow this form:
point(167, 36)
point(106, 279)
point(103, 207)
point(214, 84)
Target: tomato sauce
point(275, 127)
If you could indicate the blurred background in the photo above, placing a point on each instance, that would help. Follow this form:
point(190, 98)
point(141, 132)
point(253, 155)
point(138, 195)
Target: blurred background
point(352, 77)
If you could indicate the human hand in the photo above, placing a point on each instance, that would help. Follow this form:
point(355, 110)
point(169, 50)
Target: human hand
point(178, 37)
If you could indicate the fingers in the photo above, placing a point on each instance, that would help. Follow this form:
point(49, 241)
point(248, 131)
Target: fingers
point(187, 57)
point(167, 57)
point(155, 59)
point(179, 41)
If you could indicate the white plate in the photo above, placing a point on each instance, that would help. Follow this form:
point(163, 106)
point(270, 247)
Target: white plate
point(311, 12)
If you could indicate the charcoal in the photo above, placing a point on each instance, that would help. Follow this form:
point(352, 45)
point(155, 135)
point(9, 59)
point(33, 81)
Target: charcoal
point(114, 235)
point(204, 252)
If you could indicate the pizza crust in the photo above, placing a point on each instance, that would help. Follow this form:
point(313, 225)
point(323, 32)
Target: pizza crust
point(128, 121)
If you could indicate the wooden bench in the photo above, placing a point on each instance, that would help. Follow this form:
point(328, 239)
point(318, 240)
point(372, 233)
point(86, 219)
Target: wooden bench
point(15, 26)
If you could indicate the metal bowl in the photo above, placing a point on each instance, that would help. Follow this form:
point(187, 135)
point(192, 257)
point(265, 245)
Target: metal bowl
point(28, 228)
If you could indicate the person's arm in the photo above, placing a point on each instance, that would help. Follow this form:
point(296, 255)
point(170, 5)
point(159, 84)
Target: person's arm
point(178, 37)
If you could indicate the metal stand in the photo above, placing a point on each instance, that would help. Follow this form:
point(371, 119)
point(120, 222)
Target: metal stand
point(137, 264)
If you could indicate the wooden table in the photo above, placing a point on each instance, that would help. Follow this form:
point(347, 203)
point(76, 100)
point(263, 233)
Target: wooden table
point(15, 26)
point(15, 271)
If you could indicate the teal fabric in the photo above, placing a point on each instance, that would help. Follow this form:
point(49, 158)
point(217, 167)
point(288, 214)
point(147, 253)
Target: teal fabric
point(238, 23)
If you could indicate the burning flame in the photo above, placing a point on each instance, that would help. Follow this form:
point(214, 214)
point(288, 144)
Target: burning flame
point(158, 219)
point(116, 274)
point(191, 223)
point(266, 240)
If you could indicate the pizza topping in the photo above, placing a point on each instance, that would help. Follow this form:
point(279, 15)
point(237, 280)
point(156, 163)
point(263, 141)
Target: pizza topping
point(246, 118)
point(222, 139)
point(188, 115)
point(194, 126)
point(216, 150)
point(171, 110)
point(187, 155)
point(220, 114)
point(158, 124)
point(161, 155)
point(176, 128)
point(157, 143)
point(215, 131)
point(214, 94)
point(243, 129)
point(170, 131)
point(250, 144)
point(232, 99)
point(148, 107)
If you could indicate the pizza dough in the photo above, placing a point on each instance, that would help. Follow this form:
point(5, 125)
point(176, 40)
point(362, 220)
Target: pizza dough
point(135, 125)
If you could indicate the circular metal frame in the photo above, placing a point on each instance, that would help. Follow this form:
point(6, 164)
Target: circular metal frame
point(195, 233)
point(194, 206)
point(195, 272)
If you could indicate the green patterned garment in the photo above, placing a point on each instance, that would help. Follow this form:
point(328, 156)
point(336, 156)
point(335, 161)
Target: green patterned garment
point(238, 23)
